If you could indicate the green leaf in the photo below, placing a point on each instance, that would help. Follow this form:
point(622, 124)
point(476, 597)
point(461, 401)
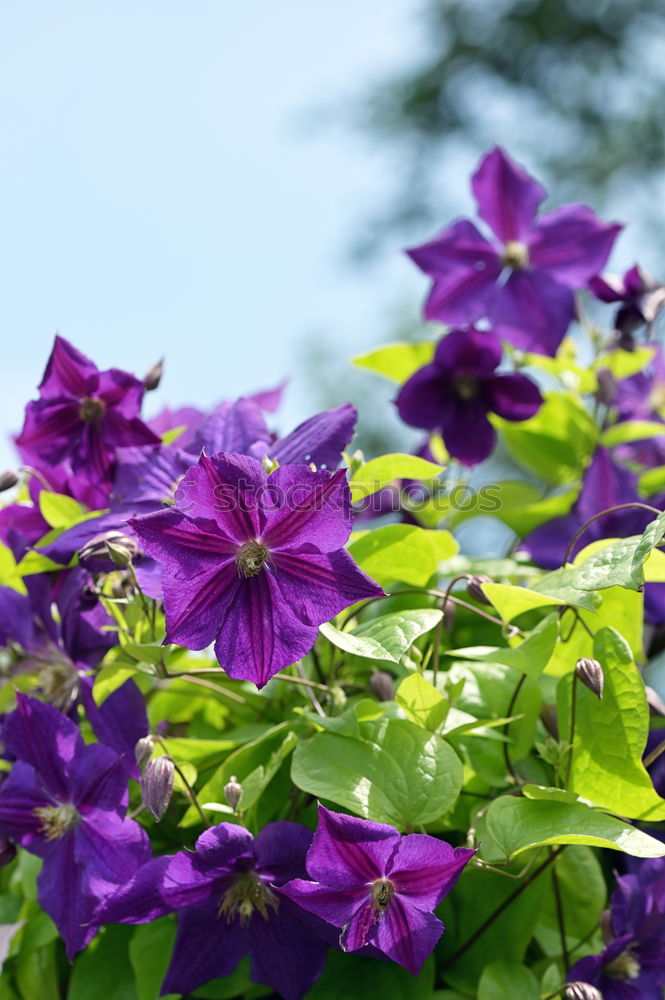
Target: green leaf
point(518, 825)
point(387, 637)
point(556, 442)
point(530, 657)
point(150, 953)
point(623, 364)
point(379, 472)
point(563, 367)
point(422, 702)
point(397, 773)
point(60, 511)
point(611, 734)
point(105, 961)
point(583, 897)
point(652, 481)
point(10, 575)
point(397, 362)
point(505, 980)
point(631, 430)
point(36, 975)
point(402, 552)
point(111, 677)
point(620, 563)
point(521, 506)
point(354, 977)
point(511, 601)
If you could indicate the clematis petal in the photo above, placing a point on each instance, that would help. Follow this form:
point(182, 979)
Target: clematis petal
point(21, 793)
point(123, 395)
point(348, 851)
point(195, 608)
point(463, 295)
point(304, 507)
point(513, 397)
point(221, 846)
point(317, 587)
point(232, 427)
point(335, 905)
point(146, 476)
point(474, 353)
point(119, 721)
point(109, 848)
point(206, 947)
point(506, 195)
point(16, 622)
point(40, 735)
point(285, 953)
point(425, 869)
point(185, 546)
point(458, 247)
point(49, 428)
point(320, 440)
point(66, 898)
point(228, 489)
point(466, 431)
point(423, 398)
point(163, 885)
point(67, 371)
point(281, 849)
point(406, 934)
point(533, 311)
point(572, 244)
point(259, 634)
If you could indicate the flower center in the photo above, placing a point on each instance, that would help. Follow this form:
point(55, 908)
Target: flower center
point(56, 821)
point(251, 558)
point(59, 681)
point(92, 409)
point(515, 255)
point(382, 892)
point(247, 893)
point(466, 386)
point(624, 966)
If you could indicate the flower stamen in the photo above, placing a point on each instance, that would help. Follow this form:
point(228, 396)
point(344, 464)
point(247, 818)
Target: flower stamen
point(251, 558)
point(56, 821)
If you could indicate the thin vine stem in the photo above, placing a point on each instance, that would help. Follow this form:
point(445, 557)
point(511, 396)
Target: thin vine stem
point(506, 746)
point(571, 736)
point(608, 510)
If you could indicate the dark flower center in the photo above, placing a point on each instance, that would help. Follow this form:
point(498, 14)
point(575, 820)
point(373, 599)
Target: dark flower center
point(251, 558)
point(92, 409)
point(466, 386)
point(383, 891)
point(246, 894)
point(515, 255)
point(59, 681)
point(624, 966)
point(56, 821)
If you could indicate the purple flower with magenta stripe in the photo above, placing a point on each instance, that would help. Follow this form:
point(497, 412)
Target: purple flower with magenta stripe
point(523, 281)
point(455, 392)
point(228, 895)
point(82, 415)
point(377, 887)
point(254, 563)
point(66, 803)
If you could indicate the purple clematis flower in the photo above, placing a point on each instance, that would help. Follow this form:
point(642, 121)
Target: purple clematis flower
point(525, 284)
point(82, 416)
point(66, 802)
point(228, 895)
point(254, 563)
point(455, 392)
point(377, 887)
point(632, 965)
point(641, 296)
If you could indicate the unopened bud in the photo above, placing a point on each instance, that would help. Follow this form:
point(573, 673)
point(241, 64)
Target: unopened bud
point(107, 550)
point(382, 685)
point(474, 588)
point(590, 672)
point(582, 991)
point(157, 785)
point(233, 792)
point(7, 851)
point(607, 387)
point(143, 750)
point(8, 479)
point(152, 378)
point(655, 702)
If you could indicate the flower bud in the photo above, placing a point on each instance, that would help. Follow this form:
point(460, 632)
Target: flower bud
point(590, 672)
point(8, 479)
point(654, 701)
point(152, 378)
point(157, 785)
point(107, 550)
point(233, 792)
point(607, 387)
point(382, 686)
point(473, 588)
point(143, 750)
point(582, 991)
point(7, 851)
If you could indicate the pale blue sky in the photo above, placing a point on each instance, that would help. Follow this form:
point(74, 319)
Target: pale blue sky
point(165, 192)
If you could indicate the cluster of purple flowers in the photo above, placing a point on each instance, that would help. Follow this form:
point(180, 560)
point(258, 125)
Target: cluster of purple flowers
point(281, 898)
